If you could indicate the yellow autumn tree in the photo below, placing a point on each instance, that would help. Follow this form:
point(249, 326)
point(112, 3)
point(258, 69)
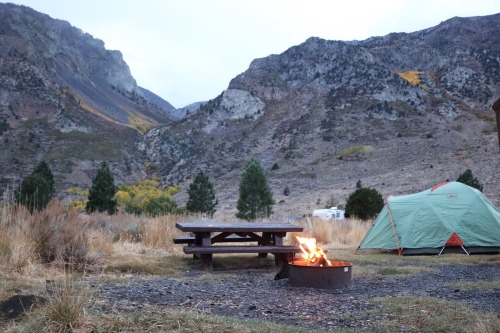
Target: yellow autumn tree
point(147, 198)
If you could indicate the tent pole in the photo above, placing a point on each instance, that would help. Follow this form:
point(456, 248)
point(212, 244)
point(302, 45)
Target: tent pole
point(400, 250)
point(463, 248)
point(441, 250)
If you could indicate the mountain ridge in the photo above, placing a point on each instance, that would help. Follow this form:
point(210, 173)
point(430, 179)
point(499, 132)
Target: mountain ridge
point(399, 112)
point(420, 102)
point(67, 99)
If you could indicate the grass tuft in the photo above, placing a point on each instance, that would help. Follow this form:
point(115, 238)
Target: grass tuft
point(68, 303)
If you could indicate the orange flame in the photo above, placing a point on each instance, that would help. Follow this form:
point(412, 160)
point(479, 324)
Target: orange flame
point(313, 255)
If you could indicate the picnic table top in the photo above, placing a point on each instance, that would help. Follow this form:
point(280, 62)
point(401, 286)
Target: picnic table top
point(210, 226)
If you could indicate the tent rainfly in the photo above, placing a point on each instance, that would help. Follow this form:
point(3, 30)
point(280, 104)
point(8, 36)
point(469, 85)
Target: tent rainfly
point(450, 217)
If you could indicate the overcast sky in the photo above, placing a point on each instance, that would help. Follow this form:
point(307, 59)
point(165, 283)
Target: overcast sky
point(188, 50)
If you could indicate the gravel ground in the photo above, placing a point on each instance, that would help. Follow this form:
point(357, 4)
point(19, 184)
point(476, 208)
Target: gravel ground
point(255, 294)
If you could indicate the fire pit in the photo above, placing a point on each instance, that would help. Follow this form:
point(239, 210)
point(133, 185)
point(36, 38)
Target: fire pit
point(336, 276)
point(314, 270)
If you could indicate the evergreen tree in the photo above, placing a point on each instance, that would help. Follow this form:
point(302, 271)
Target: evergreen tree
point(43, 169)
point(468, 179)
point(37, 189)
point(34, 192)
point(256, 198)
point(102, 191)
point(201, 196)
point(364, 203)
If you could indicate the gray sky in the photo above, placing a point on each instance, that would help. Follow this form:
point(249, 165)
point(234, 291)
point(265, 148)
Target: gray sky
point(188, 50)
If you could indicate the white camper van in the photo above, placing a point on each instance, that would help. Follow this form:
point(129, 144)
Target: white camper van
point(332, 213)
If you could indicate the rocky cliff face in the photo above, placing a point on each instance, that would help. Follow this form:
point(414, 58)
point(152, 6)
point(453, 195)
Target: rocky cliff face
point(66, 99)
point(399, 112)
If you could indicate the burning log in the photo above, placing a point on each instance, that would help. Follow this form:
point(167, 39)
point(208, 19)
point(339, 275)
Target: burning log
point(313, 255)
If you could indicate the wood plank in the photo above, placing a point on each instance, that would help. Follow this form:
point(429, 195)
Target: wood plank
point(203, 226)
point(228, 239)
point(241, 249)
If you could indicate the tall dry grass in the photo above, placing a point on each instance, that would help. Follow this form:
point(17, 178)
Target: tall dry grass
point(156, 232)
point(334, 233)
point(56, 233)
point(58, 245)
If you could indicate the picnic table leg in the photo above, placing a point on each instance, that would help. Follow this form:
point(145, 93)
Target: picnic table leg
point(266, 240)
point(280, 258)
point(208, 264)
point(278, 238)
point(206, 258)
point(198, 240)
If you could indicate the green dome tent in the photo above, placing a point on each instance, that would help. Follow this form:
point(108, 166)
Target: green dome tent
point(449, 217)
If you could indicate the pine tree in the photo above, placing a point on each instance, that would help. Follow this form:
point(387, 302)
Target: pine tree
point(201, 196)
point(256, 198)
point(102, 191)
point(43, 169)
point(37, 189)
point(468, 179)
point(34, 192)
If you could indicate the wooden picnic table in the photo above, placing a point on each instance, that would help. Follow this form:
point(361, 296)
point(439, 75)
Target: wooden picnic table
point(213, 237)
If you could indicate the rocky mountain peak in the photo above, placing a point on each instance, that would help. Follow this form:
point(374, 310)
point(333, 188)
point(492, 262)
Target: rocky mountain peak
point(400, 112)
point(48, 42)
point(67, 99)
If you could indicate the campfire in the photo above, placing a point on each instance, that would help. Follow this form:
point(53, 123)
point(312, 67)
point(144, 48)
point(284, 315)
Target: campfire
point(313, 269)
point(313, 255)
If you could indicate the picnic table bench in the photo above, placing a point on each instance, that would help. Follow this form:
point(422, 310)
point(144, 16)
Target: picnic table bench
point(208, 237)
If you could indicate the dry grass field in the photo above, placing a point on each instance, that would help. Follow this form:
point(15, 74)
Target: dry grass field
point(62, 256)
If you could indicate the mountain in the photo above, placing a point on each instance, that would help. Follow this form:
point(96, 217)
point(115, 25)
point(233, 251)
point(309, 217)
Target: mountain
point(400, 112)
point(66, 99)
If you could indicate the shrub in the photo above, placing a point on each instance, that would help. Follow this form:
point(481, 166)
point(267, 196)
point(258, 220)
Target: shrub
point(468, 179)
point(364, 203)
point(59, 234)
point(286, 191)
point(145, 197)
point(355, 150)
point(161, 205)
